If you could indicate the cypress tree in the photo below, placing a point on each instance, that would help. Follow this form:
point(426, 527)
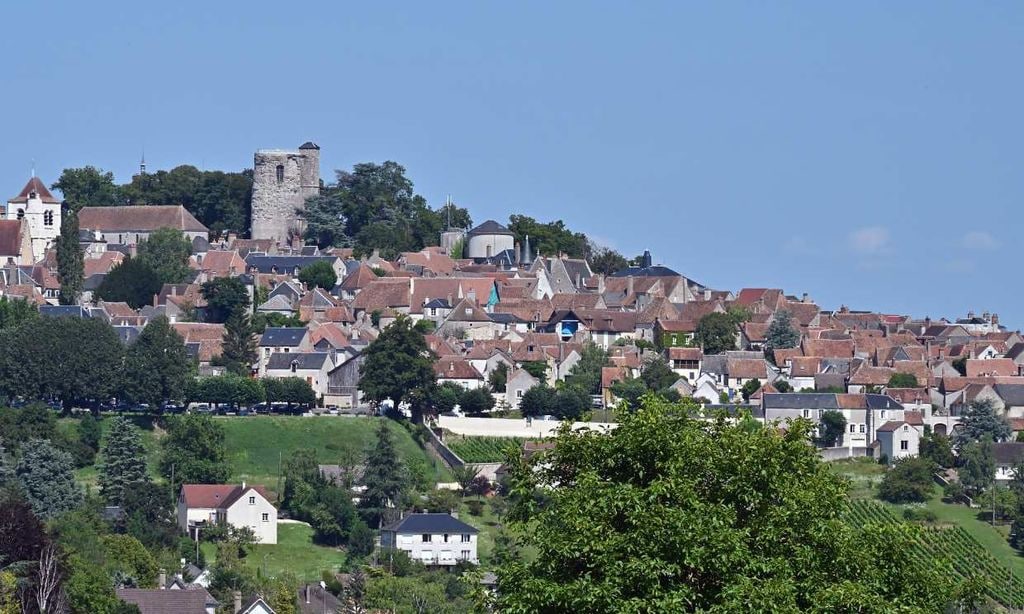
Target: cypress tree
point(70, 261)
point(385, 477)
point(124, 461)
point(46, 474)
point(240, 343)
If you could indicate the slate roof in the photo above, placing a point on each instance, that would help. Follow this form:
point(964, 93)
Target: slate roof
point(1011, 394)
point(282, 361)
point(801, 400)
point(651, 271)
point(1008, 453)
point(430, 523)
point(282, 336)
point(63, 311)
point(35, 185)
point(490, 227)
point(284, 264)
point(141, 218)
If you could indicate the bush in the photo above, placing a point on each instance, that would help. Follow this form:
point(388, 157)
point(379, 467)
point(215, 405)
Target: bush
point(475, 506)
point(909, 481)
point(919, 514)
point(953, 492)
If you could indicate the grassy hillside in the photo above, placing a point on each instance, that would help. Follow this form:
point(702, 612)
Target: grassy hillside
point(294, 553)
point(257, 444)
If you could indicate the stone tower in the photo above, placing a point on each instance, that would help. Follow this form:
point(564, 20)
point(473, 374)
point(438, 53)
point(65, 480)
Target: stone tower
point(282, 181)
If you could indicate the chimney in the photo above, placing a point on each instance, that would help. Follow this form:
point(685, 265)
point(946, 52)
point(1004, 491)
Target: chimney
point(600, 283)
point(236, 596)
point(629, 285)
point(161, 580)
point(805, 298)
point(707, 294)
point(232, 235)
point(243, 484)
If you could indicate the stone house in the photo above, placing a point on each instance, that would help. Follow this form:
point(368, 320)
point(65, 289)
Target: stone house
point(458, 371)
point(132, 224)
point(686, 362)
point(282, 340)
point(899, 439)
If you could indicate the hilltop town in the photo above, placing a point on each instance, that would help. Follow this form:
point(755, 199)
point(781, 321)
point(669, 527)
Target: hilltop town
point(480, 337)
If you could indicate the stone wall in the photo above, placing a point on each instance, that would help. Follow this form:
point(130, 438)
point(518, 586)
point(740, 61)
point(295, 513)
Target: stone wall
point(277, 198)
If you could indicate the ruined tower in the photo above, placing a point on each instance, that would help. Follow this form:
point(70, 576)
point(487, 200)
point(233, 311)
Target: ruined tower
point(282, 181)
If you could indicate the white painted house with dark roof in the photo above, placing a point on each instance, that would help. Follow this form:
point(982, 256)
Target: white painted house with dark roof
point(287, 340)
point(432, 539)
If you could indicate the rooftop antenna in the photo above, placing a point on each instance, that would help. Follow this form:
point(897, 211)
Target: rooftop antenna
point(448, 207)
point(33, 167)
point(142, 164)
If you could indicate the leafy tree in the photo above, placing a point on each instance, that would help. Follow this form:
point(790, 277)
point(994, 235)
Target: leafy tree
point(167, 251)
point(320, 274)
point(224, 296)
point(710, 517)
point(570, 403)
point(132, 282)
point(781, 333)
point(716, 333)
point(47, 479)
point(89, 588)
point(498, 378)
point(833, 425)
point(273, 319)
point(409, 595)
point(398, 366)
point(586, 374)
point(605, 260)
point(124, 461)
point(88, 187)
point(90, 431)
point(630, 391)
point(386, 477)
point(977, 465)
point(149, 515)
point(70, 263)
point(657, 375)
point(549, 238)
point(908, 481)
point(538, 401)
point(981, 422)
point(444, 397)
point(194, 447)
point(240, 346)
point(34, 421)
point(749, 388)
point(937, 448)
point(14, 311)
point(536, 368)
point(128, 558)
point(902, 380)
point(782, 386)
point(157, 367)
point(476, 401)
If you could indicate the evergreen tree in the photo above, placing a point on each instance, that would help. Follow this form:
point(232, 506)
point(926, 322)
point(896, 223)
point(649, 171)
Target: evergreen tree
point(124, 461)
point(224, 296)
point(981, 422)
point(240, 343)
point(70, 260)
point(46, 475)
point(7, 475)
point(781, 333)
point(385, 477)
point(157, 367)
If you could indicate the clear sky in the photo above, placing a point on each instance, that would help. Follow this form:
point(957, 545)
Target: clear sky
point(869, 154)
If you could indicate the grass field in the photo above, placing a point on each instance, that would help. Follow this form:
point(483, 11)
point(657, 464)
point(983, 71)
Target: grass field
point(256, 445)
point(482, 449)
point(294, 552)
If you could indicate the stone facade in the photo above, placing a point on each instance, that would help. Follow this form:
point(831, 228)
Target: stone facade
point(282, 181)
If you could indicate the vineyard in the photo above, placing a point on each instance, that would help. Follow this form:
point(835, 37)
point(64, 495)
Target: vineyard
point(953, 544)
point(483, 449)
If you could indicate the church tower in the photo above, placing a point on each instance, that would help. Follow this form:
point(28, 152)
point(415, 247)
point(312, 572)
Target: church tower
point(282, 181)
point(41, 211)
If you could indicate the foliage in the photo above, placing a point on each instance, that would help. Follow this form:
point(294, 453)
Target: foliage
point(88, 186)
point(409, 595)
point(538, 401)
point(132, 281)
point(290, 390)
point(498, 378)
point(629, 391)
point(157, 367)
point(716, 333)
point(485, 449)
point(149, 516)
point(750, 387)
point(833, 425)
point(46, 476)
point(586, 374)
point(124, 461)
point(981, 422)
point(902, 380)
point(398, 366)
point(709, 516)
point(128, 558)
point(240, 345)
point(221, 201)
point(88, 587)
point(167, 252)
point(444, 397)
point(656, 374)
point(320, 274)
point(908, 481)
point(977, 465)
point(476, 401)
point(224, 296)
point(386, 477)
point(550, 238)
point(781, 333)
point(536, 368)
point(937, 448)
point(70, 260)
point(194, 448)
point(782, 386)
point(605, 260)
point(14, 311)
point(273, 319)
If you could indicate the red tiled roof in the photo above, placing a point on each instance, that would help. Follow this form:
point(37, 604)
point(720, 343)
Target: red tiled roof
point(141, 218)
point(677, 353)
point(747, 368)
point(10, 237)
point(101, 264)
point(216, 495)
point(35, 185)
point(610, 375)
point(1004, 367)
point(452, 367)
point(828, 348)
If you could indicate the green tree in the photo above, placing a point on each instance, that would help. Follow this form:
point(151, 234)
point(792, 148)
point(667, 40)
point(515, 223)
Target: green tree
point(398, 365)
point(132, 282)
point(194, 447)
point(570, 403)
point(749, 388)
point(536, 368)
point(630, 391)
point(549, 238)
point(937, 448)
point(782, 386)
point(157, 366)
point(977, 465)
point(47, 479)
point(386, 477)
point(538, 401)
point(657, 375)
point(604, 260)
point(908, 481)
point(781, 333)
point(88, 187)
point(128, 558)
point(124, 461)
point(224, 296)
point(982, 422)
point(586, 374)
point(166, 251)
point(320, 274)
point(408, 595)
point(14, 311)
point(833, 425)
point(444, 397)
point(475, 401)
point(70, 262)
point(716, 333)
point(710, 517)
point(498, 378)
point(902, 380)
point(240, 346)
point(88, 587)
point(149, 515)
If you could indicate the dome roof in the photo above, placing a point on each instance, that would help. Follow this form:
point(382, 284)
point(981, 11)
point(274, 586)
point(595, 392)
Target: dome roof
point(490, 227)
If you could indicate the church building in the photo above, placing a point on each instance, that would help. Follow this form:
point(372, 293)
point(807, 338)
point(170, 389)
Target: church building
point(41, 212)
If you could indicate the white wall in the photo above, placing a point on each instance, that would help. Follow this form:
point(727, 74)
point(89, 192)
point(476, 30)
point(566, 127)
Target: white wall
point(245, 514)
point(435, 552)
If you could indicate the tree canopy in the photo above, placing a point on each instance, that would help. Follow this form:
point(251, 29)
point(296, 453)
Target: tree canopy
point(194, 447)
point(716, 333)
point(398, 365)
point(124, 461)
point(781, 333)
point(132, 282)
point(166, 251)
point(981, 422)
point(224, 296)
point(320, 274)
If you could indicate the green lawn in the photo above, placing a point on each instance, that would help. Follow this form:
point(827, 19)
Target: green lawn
point(294, 552)
point(150, 438)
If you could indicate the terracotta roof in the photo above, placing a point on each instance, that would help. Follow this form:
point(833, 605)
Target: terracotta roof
point(222, 263)
point(143, 218)
point(382, 293)
point(908, 395)
point(565, 301)
point(804, 366)
point(891, 426)
point(452, 367)
point(763, 390)
point(677, 326)
point(914, 418)
point(440, 346)
point(216, 495)
point(160, 601)
point(359, 278)
point(101, 264)
point(867, 375)
point(677, 353)
point(607, 320)
point(747, 368)
point(530, 310)
point(828, 348)
point(423, 290)
point(10, 237)
point(754, 332)
point(784, 354)
point(331, 332)
point(196, 331)
point(610, 375)
point(35, 185)
point(803, 313)
point(430, 259)
point(1004, 367)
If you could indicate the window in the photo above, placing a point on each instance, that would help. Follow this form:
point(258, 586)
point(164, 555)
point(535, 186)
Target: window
point(465, 538)
point(904, 445)
point(280, 173)
point(48, 218)
point(853, 428)
point(446, 538)
point(882, 414)
point(519, 394)
point(266, 517)
point(863, 428)
point(807, 413)
point(426, 538)
point(21, 214)
point(252, 500)
point(465, 555)
point(469, 311)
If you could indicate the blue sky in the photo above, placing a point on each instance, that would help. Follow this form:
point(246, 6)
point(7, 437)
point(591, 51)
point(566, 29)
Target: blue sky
point(866, 153)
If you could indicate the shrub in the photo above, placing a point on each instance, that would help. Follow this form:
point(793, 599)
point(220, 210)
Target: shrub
point(919, 514)
point(909, 481)
point(475, 506)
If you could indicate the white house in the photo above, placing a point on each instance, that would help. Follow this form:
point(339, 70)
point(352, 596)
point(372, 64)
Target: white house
point(458, 371)
point(284, 340)
point(233, 504)
point(313, 367)
point(433, 539)
point(898, 439)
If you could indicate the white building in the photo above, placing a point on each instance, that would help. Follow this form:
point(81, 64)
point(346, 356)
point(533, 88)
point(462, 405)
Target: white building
point(232, 504)
point(38, 207)
point(432, 539)
point(487, 240)
point(898, 439)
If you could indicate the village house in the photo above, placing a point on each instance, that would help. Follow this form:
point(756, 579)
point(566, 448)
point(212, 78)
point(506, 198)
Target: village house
point(232, 504)
point(899, 439)
point(131, 225)
point(282, 340)
point(312, 367)
point(436, 540)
